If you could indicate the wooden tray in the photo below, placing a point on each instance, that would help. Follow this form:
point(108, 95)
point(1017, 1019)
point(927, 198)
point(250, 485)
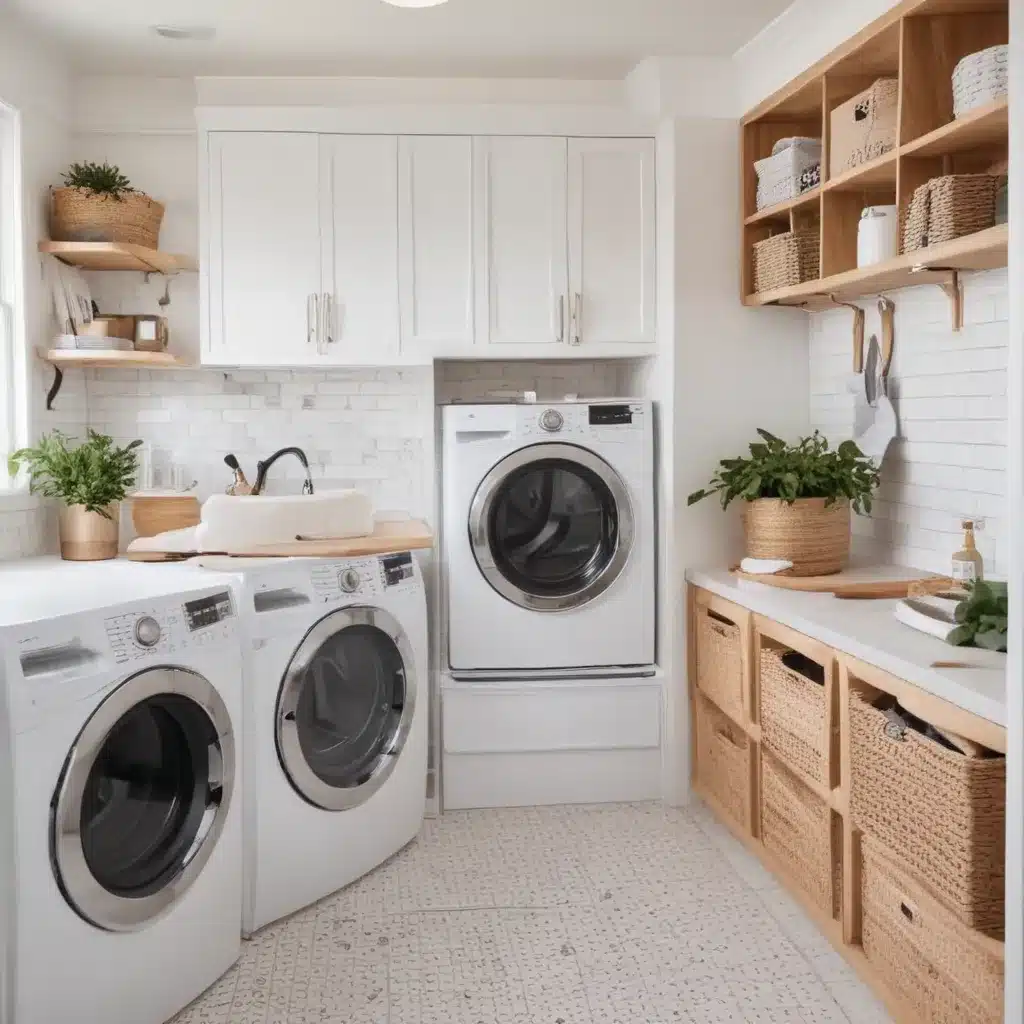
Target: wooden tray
point(387, 537)
point(854, 584)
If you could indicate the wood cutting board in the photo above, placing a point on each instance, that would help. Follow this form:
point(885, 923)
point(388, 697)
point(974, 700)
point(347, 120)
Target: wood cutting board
point(853, 584)
point(387, 538)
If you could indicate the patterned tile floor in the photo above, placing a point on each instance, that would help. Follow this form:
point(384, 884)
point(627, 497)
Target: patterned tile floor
point(621, 914)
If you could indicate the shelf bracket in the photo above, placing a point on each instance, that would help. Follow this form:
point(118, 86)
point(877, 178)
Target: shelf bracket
point(954, 290)
point(858, 332)
point(58, 379)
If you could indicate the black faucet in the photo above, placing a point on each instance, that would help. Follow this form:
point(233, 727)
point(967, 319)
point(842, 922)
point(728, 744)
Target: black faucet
point(262, 467)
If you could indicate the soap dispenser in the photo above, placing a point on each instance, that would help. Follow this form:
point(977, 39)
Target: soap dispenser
point(968, 565)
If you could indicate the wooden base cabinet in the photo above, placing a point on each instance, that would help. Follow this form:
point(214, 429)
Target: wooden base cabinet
point(908, 913)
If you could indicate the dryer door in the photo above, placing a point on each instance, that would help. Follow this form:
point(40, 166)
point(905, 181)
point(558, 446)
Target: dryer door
point(551, 527)
point(142, 798)
point(345, 707)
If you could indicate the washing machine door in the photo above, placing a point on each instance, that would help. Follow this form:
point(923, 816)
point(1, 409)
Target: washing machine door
point(142, 798)
point(551, 527)
point(345, 707)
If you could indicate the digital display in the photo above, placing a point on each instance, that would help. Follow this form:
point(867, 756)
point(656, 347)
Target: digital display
point(610, 415)
point(208, 611)
point(396, 568)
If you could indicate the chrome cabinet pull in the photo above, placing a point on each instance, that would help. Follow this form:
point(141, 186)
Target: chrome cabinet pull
point(577, 317)
point(561, 319)
point(310, 329)
point(316, 321)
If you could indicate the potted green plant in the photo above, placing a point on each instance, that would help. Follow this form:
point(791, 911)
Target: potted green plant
point(90, 479)
point(99, 204)
point(797, 499)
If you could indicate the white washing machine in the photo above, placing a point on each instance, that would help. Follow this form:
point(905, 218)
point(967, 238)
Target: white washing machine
point(336, 718)
point(121, 847)
point(549, 537)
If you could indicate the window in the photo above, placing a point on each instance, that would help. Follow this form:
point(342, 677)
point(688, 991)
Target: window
point(13, 368)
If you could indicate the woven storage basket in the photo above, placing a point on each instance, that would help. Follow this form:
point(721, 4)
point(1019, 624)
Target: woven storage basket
point(78, 215)
point(793, 717)
point(949, 207)
point(981, 78)
point(945, 813)
point(932, 960)
point(797, 827)
point(781, 176)
point(723, 761)
point(720, 661)
point(786, 259)
point(814, 536)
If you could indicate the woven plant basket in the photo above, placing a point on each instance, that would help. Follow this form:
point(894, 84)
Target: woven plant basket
point(786, 259)
point(949, 207)
point(944, 812)
point(78, 215)
point(720, 662)
point(723, 760)
point(932, 960)
point(793, 717)
point(814, 536)
point(797, 827)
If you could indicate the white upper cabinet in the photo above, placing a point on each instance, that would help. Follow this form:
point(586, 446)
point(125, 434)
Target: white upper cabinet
point(611, 242)
point(359, 200)
point(263, 243)
point(522, 256)
point(435, 197)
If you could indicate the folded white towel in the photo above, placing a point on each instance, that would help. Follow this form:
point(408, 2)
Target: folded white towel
point(764, 566)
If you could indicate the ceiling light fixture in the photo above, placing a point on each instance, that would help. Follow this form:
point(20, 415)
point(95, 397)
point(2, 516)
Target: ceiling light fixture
point(415, 3)
point(185, 31)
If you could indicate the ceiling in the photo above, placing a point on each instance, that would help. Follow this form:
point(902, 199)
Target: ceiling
point(495, 38)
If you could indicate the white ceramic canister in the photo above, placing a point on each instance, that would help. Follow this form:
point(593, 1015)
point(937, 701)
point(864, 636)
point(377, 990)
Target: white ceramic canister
point(877, 235)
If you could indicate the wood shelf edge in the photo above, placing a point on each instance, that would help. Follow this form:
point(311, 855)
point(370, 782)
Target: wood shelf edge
point(111, 359)
point(137, 258)
point(807, 198)
point(930, 144)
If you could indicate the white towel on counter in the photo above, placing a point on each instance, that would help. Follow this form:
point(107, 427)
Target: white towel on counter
point(764, 566)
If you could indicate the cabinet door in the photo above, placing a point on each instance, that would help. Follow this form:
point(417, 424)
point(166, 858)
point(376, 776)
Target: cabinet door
point(264, 247)
point(611, 241)
point(436, 244)
point(359, 317)
point(522, 247)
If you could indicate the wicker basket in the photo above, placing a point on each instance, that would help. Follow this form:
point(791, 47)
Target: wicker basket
point(78, 215)
point(981, 78)
point(798, 828)
point(944, 812)
point(793, 167)
point(793, 717)
point(720, 661)
point(814, 536)
point(932, 960)
point(786, 259)
point(949, 207)
point(723, 761)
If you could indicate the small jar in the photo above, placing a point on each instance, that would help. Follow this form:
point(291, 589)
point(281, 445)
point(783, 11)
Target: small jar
point(877, 235)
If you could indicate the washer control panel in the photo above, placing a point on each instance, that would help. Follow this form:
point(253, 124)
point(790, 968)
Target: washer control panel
point(161, 631)
point(334, 581)
point(580, 420)
point(552, 421)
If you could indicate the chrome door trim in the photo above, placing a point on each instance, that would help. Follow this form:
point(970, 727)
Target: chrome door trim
point(89, 898)
point(305, 781)
point(483, 503)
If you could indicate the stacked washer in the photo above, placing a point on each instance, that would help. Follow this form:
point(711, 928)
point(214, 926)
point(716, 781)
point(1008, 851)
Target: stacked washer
point(122, 839)
point(336, 715)
point(549, 558)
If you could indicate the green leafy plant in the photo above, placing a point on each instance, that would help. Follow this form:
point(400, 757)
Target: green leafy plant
point(99, 179)
point(95, 474)
point(807, 469)
point(982, 617)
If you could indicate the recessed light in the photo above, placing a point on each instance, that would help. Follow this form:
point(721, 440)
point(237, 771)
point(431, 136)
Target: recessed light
point(185, 31)
point(415, 3)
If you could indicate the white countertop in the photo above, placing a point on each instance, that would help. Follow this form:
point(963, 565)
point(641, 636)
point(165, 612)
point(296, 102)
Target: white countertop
point(868, 630)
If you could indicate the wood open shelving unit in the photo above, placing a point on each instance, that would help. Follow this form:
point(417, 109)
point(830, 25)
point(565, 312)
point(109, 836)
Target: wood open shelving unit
point(129, 359)
point(918, 42)
point(118, 256)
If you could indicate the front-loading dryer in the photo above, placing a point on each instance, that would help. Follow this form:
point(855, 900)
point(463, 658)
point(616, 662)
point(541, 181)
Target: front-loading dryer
point(549, 537)
point(122, 837)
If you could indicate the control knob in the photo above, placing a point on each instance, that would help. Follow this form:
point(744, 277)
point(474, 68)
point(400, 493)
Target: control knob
point(349, 580)
point(552, 420)
point(147, 631)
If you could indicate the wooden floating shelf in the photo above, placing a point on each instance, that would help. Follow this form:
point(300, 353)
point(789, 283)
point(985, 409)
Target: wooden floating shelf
point(984, 250)
point(984, 126)
point(781, 211)
point(877, 173)
point(85, 359)
point(118, 256)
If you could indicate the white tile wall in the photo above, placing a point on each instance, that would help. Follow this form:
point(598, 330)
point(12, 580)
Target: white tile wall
point(950, 395)
point(480, 381)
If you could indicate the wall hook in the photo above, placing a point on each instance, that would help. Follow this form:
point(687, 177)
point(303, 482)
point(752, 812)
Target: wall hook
point(858, 332)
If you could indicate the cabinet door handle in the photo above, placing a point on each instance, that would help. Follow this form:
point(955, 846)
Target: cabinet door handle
point(329, 318)
point(577, 317)
point(561, 319)
point(316, 321)
point(310, 328)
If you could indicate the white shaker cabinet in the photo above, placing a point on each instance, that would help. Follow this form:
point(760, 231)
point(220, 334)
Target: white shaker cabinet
point(436, 267)
point(522, 255)
point(612, 242)
point(359, 226)
point(262, 275)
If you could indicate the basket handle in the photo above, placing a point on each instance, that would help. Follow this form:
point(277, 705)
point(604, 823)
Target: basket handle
point(723, 735)
point(908, 909)
point(719, 629)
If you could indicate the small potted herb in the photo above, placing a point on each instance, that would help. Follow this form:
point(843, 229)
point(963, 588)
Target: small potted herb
point(983, 617)
point(99, 204)
point(797, 499)
point(91, 480)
